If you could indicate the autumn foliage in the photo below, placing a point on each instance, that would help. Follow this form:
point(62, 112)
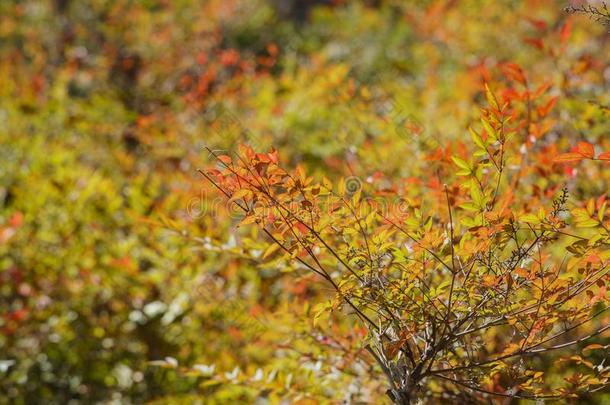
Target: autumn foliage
point(308, 202)
point(438, 277)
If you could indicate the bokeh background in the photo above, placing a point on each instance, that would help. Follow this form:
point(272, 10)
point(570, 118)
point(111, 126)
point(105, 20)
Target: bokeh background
point(122, 276)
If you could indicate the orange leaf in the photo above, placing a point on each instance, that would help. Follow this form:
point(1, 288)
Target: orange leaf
point(536, 42)
point(489, 280)
point(539, 24)
point(521, 272)
point(604, 156)
point(565, 32)
point(568, 157)
point(514, 71)
point(392, 348)
point(586, 149)
point(273, 156)
point(16, 220)
point(600, 200)
point(225, 159)
point(543, 111)
point(593, 346)
point(302, 228)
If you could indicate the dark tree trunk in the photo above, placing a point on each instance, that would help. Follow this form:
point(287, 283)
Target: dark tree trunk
point(400, 397)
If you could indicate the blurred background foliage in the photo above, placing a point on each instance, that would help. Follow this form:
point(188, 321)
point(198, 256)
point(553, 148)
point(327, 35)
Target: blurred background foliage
point(114, 253)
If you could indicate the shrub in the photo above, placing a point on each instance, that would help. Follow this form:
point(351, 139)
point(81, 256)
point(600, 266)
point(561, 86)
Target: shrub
point(467, 285)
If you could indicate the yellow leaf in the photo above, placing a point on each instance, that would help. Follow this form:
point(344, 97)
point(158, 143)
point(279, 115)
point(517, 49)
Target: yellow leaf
point(270, 250)
point(491, 98)
point(461, 163)
point(530, 219)
point(476, 138)
point(587, 223)
point(489, 129)
point(239, 194)
point(591, 206)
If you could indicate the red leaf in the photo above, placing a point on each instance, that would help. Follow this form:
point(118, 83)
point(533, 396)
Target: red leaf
point(16, 220)
point(19, 315)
